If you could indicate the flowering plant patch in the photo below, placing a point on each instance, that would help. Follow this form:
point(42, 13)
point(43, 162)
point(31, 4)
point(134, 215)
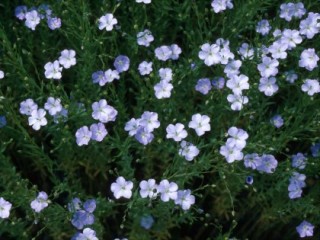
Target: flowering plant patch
point(149, 119)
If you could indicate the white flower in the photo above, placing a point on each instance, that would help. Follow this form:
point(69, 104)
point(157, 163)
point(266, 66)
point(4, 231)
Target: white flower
point(40, 202)
point(311, 86)
point(165, 74)
point(87, 234)
point(163, 53)
point(132, 126)
point(163, 89)
point(309, 59)
point(232, 68)
point(176, 132)
point(231, 153)
point(237, 101)
point(221, 5)
point(200, 123)
point(143, 1)
point(185, 199)
point(145, 68)
point(53, 106)
point(188, 150)
point(149, 120)
point(122, 188)
point(148, 188)
point(37, 119)
point(245, 51)
point(1, 74)
point(167, 190)
point(67, 58)
point(103, 112)
point(268, 67)
point(238, 83)
point(107, 21)
point(53, 70)
point(278, 50)
point(27, 106)
point(5, 207)
point(83, 136)
point(144, 38)
point(32, 19)
point(268, 86)
point(210, 54)
point(176, 51)
point(109, 76)
point(238, 137)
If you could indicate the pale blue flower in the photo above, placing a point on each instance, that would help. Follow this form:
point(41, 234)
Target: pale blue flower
point(40, 202)
point(146, 222)
point(121, 63)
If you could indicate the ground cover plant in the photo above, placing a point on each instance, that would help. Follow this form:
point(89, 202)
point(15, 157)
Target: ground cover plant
point(159, 119)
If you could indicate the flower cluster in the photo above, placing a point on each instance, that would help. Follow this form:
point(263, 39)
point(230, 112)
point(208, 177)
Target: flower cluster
point(309, 27)
point(167, 191)
point(37, 116)
point(217, 53)
point(150, 189)
point(268, 68)
point(164, 87)
point(232, 150)
point(290, 10)
point(37, 205)
point(82, 213)
point(297, 182)
point(265, 163)
point(53, 70)
point(102, 77)
point(221, 5)
point(204, 85)
point(142, 128)
point(40, 203)
point(164, 53)
point(34, 15)
point(101, 112)
point(121, 64)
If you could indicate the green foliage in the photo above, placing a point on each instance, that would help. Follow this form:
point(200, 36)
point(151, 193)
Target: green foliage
point(49, 159)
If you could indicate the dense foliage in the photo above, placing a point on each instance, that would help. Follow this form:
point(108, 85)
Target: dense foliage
point(51, 161)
